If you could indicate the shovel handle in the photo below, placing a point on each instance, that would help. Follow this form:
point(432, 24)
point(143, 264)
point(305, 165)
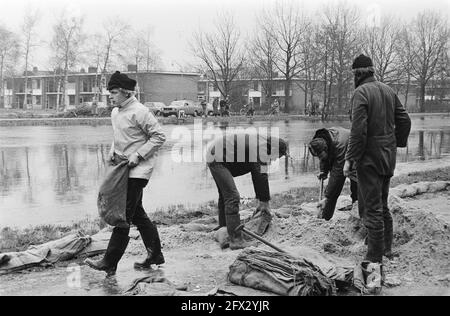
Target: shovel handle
point(321, 190)
point(243, 229)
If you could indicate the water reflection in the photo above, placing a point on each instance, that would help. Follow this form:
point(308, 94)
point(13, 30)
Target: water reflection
point(52, 174)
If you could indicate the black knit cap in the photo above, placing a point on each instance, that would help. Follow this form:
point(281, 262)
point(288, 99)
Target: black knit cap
point(317, 146)
point(119, 80)
point(362, 61)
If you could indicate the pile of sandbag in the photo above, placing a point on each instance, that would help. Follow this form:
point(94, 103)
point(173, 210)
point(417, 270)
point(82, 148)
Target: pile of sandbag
point(280, 273)
point(410, 190)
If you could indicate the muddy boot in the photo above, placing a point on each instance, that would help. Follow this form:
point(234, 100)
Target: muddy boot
point(150, 237)
point(116, 248)
point(373, 276)
point(152, 258)
point(236, 239)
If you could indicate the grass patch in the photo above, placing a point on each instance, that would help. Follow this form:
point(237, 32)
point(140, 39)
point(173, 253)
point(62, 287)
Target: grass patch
point(15, 239)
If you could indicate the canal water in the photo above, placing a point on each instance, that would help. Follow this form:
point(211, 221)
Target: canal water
point(51, 175)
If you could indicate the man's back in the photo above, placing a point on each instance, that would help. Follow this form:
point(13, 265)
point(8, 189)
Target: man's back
point(380, 124)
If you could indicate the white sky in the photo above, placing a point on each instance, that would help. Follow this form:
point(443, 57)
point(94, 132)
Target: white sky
point(174, 21)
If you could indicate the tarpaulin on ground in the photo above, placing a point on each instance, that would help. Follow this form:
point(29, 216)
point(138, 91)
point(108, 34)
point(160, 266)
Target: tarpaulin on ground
point(59, 250)
point(280, 273)
point(112, 196)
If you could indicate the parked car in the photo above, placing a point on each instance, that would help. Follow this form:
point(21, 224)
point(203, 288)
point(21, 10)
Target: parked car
point(186, 107)
point(155, 107)
point(209, 108)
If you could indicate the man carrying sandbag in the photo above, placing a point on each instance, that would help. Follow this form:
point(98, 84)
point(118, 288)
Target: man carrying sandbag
point(235, 154)
point(137, 138)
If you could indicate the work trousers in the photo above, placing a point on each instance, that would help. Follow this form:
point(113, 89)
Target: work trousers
point(229, 197)
point(136, 215)
point(373, 192)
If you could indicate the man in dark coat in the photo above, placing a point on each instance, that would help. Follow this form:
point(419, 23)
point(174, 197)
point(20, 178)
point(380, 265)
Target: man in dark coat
point(235, 154)
point(380, 124)
point(330, 145)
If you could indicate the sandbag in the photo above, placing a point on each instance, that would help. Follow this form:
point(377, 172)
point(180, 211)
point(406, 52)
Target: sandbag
point(16, 261)
point(279, 273)
point(259, 222)
point(65, 248)
point(112, 196)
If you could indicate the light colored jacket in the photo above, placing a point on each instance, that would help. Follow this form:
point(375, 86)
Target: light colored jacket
point(136, 130)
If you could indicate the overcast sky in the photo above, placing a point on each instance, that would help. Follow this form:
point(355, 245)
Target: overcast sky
point(174, 21)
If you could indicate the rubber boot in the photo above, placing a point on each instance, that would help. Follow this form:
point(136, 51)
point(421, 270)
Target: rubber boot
point(375, 245)
point(236, 239)
point(152, 258)
point(152, 243)
point(388, 237)
point(221, 215)
point(116, 248)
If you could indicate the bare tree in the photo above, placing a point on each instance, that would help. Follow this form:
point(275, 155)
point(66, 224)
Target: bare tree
point(114, 31)
point(312, 58)
point(429, 36)
point(341, 24)
point(29, 33)
point(380, 43)
point(404, 68)
point(67, 43)
point(287, 26)
point(9, 50)
point(262, 59)
point(221, 52)
point(151, 59)
point(134, 53)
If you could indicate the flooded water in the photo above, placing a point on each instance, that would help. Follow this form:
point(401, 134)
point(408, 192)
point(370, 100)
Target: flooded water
point(51, 175)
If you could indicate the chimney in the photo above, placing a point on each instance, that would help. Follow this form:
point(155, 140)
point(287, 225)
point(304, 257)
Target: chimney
point(132, 68)
point(92, 70)
point(35, 70)
point(82, 70)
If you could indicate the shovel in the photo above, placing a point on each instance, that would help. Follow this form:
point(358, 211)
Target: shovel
point(244, 230)
point(319, 214)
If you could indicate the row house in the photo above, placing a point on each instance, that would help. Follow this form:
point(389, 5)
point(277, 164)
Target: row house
point(44, 88)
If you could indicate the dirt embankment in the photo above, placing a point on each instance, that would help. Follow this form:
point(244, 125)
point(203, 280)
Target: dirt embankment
point(195, 264)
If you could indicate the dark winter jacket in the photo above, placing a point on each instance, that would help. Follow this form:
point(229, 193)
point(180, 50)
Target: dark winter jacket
point(380, 124)
point(337, 141)
point(250, 154)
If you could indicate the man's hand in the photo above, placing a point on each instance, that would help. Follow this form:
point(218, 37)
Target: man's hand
point(347, 168)
point(322, 176)
point(263, 207)
point(111, 159)
point(133, 160)
point(320, 206)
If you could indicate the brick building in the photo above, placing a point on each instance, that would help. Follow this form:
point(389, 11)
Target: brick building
point(43, 93)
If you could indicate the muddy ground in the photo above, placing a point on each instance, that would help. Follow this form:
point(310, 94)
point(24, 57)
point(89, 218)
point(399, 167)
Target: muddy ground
point(195, 264)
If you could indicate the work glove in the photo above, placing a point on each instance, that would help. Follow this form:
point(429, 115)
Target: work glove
point(322, 176)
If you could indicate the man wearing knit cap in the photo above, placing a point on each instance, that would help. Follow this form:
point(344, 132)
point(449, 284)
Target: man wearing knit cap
point(380, 124)
point(137, 138)
point(330, 146)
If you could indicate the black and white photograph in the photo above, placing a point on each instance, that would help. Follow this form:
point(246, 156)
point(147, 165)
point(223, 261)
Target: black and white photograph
point(225, 152)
